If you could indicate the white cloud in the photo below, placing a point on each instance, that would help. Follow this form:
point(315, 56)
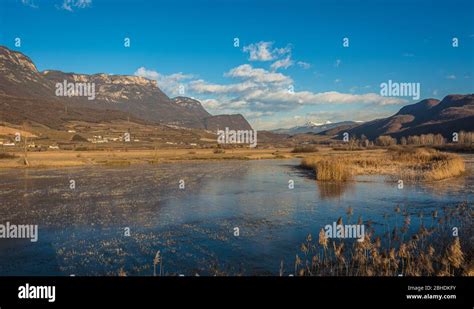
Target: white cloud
point(258, 75)
point(257, 92)
point(262, 91)
point(71, 5)
point(304, 65)
point(265, 93)
point(143, 72)
point(452, 76)
point(210, 104)
point(264, 51)
point(311, 98)
point(257, 115)
point(203, 87)
point(282, 63)
point(30, 3)
point(283, 51)
point(260, 51)
point(170, 84)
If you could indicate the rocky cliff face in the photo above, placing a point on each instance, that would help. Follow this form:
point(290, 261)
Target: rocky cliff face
point(131, 94)
point(19, 76)
point(192, 105)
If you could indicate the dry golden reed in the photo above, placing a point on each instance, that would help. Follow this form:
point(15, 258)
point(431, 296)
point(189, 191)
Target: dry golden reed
point(407, 163)
point(431, 251)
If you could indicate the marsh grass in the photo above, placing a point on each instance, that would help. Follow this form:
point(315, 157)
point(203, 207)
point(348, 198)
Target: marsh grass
point(407, 163)
point(327, 169)
point(426, 164)
point(305, 149)
point(158, 261)
point(115, 162)
point(348, 148)
point(218, 151)
point(431, 250)
point(6, 155)
point(332, 170)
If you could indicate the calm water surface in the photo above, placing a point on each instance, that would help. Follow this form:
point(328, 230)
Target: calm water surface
point(82, 231)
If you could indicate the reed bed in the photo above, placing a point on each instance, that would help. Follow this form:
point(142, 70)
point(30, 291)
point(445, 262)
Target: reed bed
point(328, 170)
point(431, 251)
point(305, 149)
point(407, 163)
point(6, 155)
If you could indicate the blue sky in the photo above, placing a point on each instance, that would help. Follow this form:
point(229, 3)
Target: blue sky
point(283, 45)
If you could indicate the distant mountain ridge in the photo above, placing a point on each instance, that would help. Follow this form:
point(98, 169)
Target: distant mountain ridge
point(453, 113)
point(312, 127)
point(127, 96)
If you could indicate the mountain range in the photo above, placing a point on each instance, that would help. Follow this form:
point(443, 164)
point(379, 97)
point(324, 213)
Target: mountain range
point(27, 94)
point(453, 113)
point(313, 127)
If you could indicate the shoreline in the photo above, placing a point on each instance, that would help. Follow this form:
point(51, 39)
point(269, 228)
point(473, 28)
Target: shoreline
point(60, 159)
point(66, 158)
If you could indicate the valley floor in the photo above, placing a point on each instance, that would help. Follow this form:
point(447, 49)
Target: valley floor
point(327, 163)
point(55, 159)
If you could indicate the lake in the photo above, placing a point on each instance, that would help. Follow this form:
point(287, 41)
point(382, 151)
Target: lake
point(190, 212)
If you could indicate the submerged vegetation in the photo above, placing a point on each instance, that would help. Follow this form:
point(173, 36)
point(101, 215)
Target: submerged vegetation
point(434, 249)
point(407, 163)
